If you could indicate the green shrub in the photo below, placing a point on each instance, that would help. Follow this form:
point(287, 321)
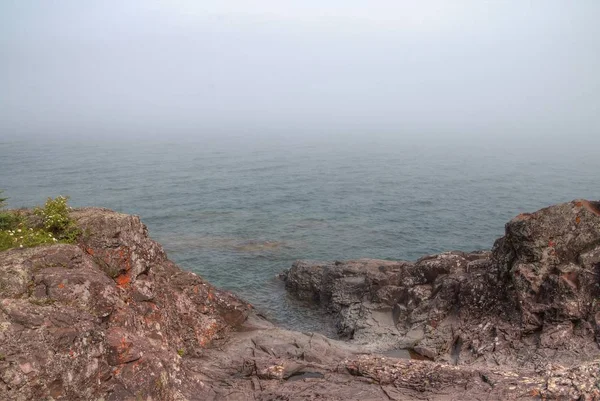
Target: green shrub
point(56, 220)
point(8, 220)
point(56, 226)
point(23, 237)
point(6, 242)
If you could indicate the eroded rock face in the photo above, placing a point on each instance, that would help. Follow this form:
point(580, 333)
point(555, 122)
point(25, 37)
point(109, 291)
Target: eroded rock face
point(106, 319)
point(387, 305)
point(552, 260)
point(533, 299)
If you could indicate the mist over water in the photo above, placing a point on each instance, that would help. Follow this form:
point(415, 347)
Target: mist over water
point(156, 68)
point(238, 212)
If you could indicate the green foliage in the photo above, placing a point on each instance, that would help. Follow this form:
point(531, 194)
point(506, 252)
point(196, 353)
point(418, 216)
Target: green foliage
point(23, 237)
point(56, 220)
point(5, 241)
point(56, 226)
point(7, 220)
point(181, 352)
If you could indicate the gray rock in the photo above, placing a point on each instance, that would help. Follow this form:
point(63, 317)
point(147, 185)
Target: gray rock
point(533, 296)
point(113, 319)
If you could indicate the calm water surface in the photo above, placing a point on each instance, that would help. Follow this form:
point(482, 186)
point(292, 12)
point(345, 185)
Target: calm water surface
point(238, 212)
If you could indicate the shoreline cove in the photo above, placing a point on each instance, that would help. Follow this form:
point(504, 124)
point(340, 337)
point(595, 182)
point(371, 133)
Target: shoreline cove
point(112, 318)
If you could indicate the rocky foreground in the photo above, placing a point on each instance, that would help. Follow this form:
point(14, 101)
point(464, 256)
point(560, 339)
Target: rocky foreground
point(113, 319)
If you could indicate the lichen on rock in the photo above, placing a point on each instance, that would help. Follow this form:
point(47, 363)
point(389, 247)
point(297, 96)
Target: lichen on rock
point(105, 317)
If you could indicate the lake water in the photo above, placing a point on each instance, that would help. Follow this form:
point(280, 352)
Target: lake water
point(239, 211)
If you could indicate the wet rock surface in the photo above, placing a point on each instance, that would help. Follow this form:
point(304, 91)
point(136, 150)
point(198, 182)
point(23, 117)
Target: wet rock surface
point(113, 319)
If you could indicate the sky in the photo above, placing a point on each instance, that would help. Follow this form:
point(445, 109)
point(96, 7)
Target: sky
point(194, 68)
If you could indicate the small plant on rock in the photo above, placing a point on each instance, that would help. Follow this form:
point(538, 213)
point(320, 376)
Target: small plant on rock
point(7, 219)
point(19, 231)
point(56, 220)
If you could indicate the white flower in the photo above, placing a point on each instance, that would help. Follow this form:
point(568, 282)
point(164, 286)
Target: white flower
point(21, 246)
point(18, 230)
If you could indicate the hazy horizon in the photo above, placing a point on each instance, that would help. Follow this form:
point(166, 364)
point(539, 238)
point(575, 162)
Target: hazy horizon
point(158, 69)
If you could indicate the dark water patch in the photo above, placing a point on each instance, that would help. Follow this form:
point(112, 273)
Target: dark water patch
point(305, 375)
point(456, 348)
point(257, 246)
point(415, 355)
point(311, 223)
point(398, 353)
point(405, 353)
point(177, 243)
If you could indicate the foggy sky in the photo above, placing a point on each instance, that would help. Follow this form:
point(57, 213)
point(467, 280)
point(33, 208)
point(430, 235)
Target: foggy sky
point(199, 67)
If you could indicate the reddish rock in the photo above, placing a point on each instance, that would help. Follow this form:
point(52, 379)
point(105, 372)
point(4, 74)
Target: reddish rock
point(106, 318)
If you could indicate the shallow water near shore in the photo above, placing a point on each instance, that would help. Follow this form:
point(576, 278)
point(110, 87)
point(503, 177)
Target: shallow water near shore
point(240, 212)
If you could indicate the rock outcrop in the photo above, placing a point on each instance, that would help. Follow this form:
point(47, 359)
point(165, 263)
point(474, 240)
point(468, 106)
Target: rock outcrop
point(533, 300)
point(111, 318)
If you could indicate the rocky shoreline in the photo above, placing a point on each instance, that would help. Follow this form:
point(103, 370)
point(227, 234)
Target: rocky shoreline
point(112, 318)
